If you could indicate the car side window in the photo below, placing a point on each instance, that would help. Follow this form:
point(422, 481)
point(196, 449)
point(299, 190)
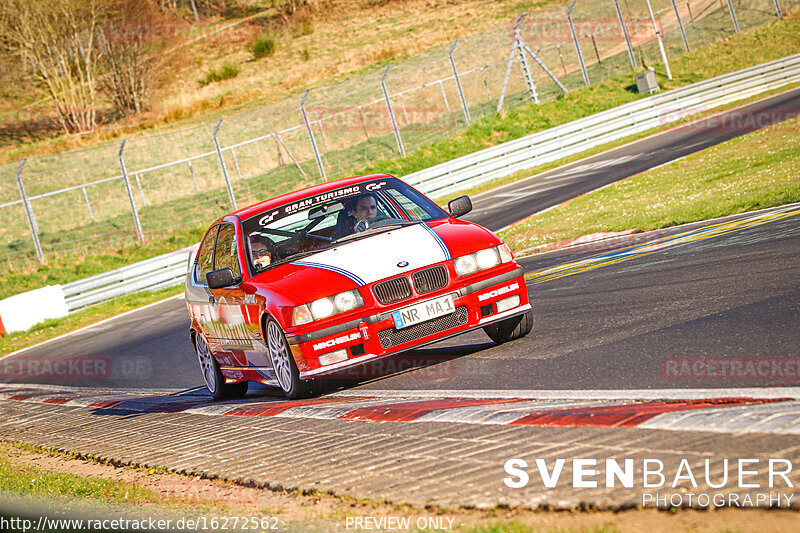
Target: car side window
point(226, 255)
point(205, 256)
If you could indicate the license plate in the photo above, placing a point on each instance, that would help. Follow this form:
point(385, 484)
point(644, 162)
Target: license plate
point(414, 314)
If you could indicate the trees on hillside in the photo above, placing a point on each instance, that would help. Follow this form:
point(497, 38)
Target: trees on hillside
point(77, 47)
point(130, 41)
point(59, 39)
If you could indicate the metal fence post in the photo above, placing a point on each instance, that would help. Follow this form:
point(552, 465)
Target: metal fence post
point(547, 70)
point(508, 65)
point(311, 136)
point(289, 153)
point(778, 9)
point(458, 81)
point(29, 213)
point(88, 205)
point(526, 71)
point(577, 46)
point(660, 42)
point(391, 113)
point(141, 191)
point(680, 27)
point(625, 34)
point(136, 223)
point(194, 178)
point(444, 97)
point(733, 16)
point(228, 185)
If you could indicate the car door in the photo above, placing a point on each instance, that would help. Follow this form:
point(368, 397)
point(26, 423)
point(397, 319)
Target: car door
point(238, 326)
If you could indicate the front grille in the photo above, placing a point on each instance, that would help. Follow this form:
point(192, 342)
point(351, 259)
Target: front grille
point(392, 336)
point(392, 290)
point(430, 279)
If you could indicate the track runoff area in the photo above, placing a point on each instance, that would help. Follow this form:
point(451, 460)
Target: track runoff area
point(686, 336)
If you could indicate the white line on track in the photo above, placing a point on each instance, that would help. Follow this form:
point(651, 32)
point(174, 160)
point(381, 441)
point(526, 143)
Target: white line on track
point(596, 394)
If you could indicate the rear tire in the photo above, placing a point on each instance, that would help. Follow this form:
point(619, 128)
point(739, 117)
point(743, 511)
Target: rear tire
point(212, 375)
point(510, 329)
point(286, 371)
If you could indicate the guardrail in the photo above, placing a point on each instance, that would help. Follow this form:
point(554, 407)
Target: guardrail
point(152, 274)
point(492, 163)
point(582, 134)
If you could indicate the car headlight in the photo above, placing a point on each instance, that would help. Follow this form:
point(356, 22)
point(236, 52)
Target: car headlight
point(466, 264)
point(482, 259)
point(325, 307)
point(487, 258)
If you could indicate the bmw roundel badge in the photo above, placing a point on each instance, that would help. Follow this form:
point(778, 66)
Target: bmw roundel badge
point(402, 264)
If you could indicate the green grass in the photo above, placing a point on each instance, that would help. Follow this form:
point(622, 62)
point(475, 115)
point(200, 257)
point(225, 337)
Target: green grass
point(31, 481)
point(263, 46)
point(58, 326)
point(755, 171)
point(225, 72)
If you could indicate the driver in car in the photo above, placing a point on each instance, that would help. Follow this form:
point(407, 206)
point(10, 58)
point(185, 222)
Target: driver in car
point(365, 211)
point(259, 251)
point(360, 213)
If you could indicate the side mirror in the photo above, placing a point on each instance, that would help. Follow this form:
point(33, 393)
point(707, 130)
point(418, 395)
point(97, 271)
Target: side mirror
point(223, 277)
point(460, 206)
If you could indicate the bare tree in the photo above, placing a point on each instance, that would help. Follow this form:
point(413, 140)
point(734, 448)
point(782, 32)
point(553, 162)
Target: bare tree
point(131, 40)
point(59, 38)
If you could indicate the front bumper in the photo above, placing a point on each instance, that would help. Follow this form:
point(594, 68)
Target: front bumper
point(374, 336)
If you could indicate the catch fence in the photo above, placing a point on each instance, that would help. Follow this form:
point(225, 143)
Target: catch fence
point(149, 186)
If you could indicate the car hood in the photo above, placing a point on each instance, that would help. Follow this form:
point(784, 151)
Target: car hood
point(381, 256)
point(377, 257)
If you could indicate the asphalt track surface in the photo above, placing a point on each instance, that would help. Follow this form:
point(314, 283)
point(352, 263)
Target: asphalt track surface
point(622, 326)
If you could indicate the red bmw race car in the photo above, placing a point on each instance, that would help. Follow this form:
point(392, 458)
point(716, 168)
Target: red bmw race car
point(340, 274)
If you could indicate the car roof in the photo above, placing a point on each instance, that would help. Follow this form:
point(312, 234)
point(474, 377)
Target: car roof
point(295, 196)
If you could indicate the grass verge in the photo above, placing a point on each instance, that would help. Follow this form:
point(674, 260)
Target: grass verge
point(754, 171)
point(58, 326)
point(35, 482)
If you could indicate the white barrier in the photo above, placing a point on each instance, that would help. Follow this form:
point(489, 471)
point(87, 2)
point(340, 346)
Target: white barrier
point(22, 311)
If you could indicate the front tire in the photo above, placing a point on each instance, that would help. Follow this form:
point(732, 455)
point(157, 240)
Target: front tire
point(286, 371)
point(212, 375)
point(510, 329)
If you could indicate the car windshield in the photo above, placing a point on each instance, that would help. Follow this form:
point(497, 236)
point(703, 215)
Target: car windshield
point(321, 221)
